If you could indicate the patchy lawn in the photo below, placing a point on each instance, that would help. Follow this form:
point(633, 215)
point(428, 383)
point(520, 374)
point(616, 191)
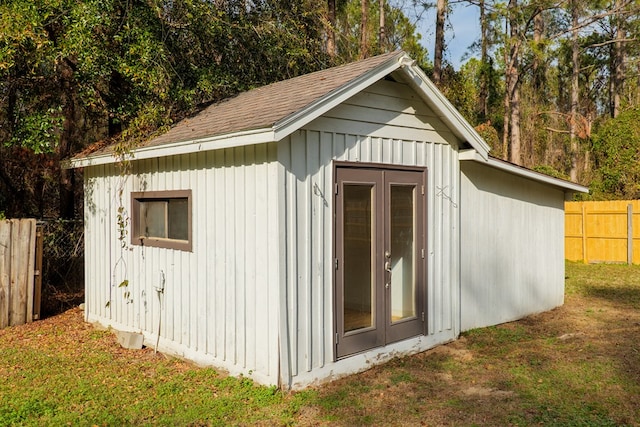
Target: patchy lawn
point(576, 365)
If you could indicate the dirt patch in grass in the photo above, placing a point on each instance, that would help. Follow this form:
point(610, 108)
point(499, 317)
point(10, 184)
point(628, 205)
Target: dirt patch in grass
point(575, 365)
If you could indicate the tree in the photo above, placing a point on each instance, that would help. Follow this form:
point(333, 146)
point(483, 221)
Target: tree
point(441, 12)
point(364, 28)
point(331, 30)
point(72, 73)
point(616, 149)
point(399, 32)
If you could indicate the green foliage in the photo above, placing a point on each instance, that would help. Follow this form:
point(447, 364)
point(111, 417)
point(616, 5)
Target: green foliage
point(491, 137)
point(616, 150)
point(72, 73)
point(400, 32)
point(549, 170)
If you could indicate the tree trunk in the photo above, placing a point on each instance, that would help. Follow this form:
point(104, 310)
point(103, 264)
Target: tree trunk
point(483, 94)
point(441, 10)
point(331, 31)
point(364, 38)
point(537, 68)
point(382, 36)
point(513, 85)
point(507, 98)
point(618, 59)
point(575, 76)
point(66, 183)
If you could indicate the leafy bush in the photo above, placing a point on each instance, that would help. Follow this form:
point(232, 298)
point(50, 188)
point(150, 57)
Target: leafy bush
point(616, 149)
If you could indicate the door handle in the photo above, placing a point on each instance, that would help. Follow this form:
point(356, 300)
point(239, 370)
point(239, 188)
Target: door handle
point(387, 268)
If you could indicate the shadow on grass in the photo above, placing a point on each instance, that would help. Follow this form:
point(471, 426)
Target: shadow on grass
point(627, 295)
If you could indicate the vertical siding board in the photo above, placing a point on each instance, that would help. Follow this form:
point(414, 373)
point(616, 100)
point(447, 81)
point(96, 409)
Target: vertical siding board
point(253, 292)
point(220, 278)
point(185, 285)
point(365, 149)
point(108, 231)
point(117, 265)
point(455, 239)
point(200, 258)
point(292, 245)
point(170, 299)
point(437, 238)
point(274, 271)
point(239, 229)
point(286, 348)
point(350, 142)
point(325, 252)
point(431, 238)
point(448, 229)
point(210, 195)
point(229, 252)
point(315, 250)
point(387, 150)
point(396, 151)
point(275, 260)
point(90, 227)
point(190, 264)
point(301, 255)
point(339, 146)
point(260, 295)
point(144, 261)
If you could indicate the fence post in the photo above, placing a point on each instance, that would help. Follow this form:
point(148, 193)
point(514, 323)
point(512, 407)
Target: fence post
point(584, 235)
point(629, 234)
point(37, 291)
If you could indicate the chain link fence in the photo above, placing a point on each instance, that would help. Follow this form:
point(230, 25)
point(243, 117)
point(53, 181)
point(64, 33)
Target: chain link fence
point(62, 265)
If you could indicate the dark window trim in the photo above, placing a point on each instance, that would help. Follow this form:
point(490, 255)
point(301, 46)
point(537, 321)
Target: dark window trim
point(138, 240)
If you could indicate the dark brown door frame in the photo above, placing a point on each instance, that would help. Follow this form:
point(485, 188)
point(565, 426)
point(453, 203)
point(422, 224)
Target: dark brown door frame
point(380, 178)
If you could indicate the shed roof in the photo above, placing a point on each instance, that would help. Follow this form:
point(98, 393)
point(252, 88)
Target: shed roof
point(566, 186)
point(271, 112)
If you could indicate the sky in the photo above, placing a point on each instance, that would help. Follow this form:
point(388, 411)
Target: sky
point(462, 31)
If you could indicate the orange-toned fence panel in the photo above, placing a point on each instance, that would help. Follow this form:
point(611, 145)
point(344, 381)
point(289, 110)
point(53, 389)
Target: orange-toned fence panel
point(603, 231)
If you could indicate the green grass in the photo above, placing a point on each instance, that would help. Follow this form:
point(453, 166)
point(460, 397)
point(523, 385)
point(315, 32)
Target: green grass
point(578, 365)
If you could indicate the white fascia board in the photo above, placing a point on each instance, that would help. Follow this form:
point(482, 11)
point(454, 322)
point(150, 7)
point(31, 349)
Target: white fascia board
point(445, 110)
point(297, 120)
point(567, 186)
point(238, 139)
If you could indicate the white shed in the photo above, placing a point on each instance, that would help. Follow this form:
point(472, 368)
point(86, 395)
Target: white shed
point(317, 226)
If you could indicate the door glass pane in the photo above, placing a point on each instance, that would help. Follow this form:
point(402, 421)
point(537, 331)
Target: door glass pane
point(403, 284)
point(359, 291)
point(178, 219)
point(153, 219)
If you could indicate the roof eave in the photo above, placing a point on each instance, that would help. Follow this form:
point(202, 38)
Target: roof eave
point(566, 186)
point(236, 139)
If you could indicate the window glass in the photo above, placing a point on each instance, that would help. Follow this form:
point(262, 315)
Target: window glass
point(153, 219)
point(162, 219)
point(178, 219)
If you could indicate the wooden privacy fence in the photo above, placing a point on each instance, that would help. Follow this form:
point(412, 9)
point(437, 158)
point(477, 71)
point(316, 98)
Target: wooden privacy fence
point(20, 266)
point(603, 231)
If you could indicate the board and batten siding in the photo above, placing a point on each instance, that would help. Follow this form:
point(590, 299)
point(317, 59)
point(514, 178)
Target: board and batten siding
point(220, 302)
point(512, 257)
point(385, 124)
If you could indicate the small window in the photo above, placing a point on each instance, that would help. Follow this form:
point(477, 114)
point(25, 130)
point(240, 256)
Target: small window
point(162, 219)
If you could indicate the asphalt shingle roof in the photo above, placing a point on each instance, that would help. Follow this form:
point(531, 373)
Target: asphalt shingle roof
point(264, 106)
